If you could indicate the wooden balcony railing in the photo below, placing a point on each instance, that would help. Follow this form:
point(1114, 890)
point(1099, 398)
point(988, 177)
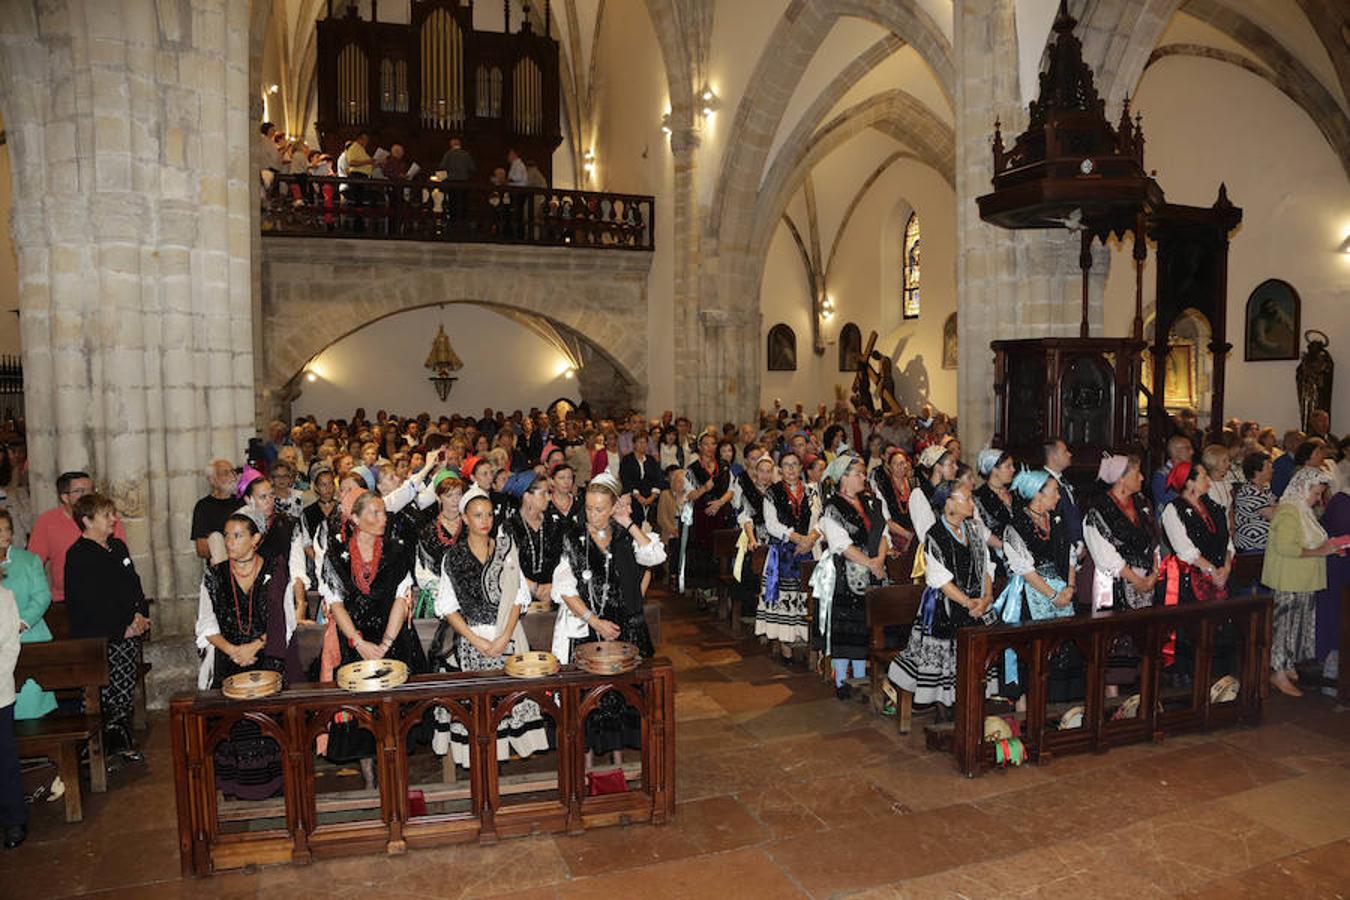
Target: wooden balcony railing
point(1229, 637)
point(412, 797)
point(376, 208)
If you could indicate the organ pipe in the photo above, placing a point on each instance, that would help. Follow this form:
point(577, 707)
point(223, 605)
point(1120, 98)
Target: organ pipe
point(442, 73)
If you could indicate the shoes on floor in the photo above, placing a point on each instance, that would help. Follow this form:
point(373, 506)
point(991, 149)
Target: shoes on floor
point(15, 835)
point(843, 691)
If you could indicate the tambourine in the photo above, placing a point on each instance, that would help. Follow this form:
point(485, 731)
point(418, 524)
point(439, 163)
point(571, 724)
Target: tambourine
point(534, 664)
point(607, 657)
point(372, 675)
point(251, 685)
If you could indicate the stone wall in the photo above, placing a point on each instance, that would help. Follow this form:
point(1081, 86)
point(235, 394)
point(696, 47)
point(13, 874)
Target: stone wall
point(316, 290)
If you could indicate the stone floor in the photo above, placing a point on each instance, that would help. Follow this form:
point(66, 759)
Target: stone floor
point(785, 792)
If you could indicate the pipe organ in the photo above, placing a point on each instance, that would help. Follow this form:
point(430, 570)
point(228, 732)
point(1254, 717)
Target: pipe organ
point(419, 83)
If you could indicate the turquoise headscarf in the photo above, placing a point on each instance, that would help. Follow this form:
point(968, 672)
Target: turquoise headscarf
point(1029, 482)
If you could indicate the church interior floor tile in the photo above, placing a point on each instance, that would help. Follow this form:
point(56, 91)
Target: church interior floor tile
point(785, 791)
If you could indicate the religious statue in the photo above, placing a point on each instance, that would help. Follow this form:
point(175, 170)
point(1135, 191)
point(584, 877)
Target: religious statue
point(1314, 374)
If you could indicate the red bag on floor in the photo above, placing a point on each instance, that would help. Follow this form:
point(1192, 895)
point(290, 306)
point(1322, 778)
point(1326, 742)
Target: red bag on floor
point(611, 782)
point(417, 803)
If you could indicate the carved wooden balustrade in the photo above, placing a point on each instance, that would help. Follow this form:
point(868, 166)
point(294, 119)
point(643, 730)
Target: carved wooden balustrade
point(436, 805)
point(422, 210)
point(1230, 637)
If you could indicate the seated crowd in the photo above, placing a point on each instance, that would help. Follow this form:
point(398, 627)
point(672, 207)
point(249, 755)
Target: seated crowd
point(364, 527)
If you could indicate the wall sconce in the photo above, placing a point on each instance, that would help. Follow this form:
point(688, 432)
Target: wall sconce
point(1345, 244)
point(569, 373)
point(311, 377)
point(710, 101)
point(588, 162)
point(827, 309)
point(272, 89)
point(665, 124)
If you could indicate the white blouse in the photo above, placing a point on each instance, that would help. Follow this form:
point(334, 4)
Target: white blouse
point(1180, 541)
point(653, 553)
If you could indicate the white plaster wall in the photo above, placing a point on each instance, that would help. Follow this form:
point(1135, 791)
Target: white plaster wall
point(905, 69)
point(1208, 122)
point(864, 283)
point(633, 156)
point(506, 366)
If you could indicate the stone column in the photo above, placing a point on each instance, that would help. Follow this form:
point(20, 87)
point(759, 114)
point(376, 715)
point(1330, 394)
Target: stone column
point(1009, 284)
point(130, 135)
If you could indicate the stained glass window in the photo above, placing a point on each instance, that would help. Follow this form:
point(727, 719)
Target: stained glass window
point(910, 271)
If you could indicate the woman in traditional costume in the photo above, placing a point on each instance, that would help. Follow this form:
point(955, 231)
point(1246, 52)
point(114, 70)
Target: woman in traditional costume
point(855, 535)
point(710, 490)
point(482, 595)
point(791, 519)
point(434, 539)
point(244, 624)
point(892, 484)
point(959, 589)
point(994, 502)
point(598, 587)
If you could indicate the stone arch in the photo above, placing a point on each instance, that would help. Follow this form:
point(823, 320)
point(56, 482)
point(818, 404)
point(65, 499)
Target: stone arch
point(1117, 38)
point(795, 40)
point(315, 291)
point(897, 112)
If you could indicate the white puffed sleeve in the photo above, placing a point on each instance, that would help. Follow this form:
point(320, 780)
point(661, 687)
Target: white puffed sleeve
point(653, 553)
point(296, 563)
point(836, 536)
point(1020, 560)
point(207, 625)
point(775, 528)
point(935, 572)
point(1104, 554)
point(400, 496)
point(921, 513)
point(446, 601)
point(564, 582)
point(1177, 538)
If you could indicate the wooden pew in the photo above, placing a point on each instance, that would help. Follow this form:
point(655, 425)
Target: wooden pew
point(891, 606)
point(1246, 575)
point(1151, 629)
point(57, 618)
point(81, 664)
point(724, 550)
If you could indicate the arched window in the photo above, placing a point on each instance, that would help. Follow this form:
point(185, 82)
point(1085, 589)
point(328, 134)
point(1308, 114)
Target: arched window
point(782, 349)
point(909, 299)
point(850, 347)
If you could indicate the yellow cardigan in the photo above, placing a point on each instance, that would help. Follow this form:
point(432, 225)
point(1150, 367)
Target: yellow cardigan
point(1284, 569)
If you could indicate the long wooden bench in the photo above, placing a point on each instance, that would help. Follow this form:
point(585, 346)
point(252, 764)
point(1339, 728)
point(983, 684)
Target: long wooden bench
point(1159, 713)
point(57, 618)
point(80, 664)
point(894, 606)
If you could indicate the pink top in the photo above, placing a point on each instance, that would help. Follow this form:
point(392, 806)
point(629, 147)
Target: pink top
point(53, 533)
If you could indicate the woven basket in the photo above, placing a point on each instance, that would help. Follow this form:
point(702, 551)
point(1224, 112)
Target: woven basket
point(535, 664)
point(251, 685)
point(372, 675)
point(607, 657)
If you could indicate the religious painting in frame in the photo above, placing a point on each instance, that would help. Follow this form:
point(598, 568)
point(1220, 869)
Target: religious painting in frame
point(1180, 374)
point(1272, 319)
point(949, 342)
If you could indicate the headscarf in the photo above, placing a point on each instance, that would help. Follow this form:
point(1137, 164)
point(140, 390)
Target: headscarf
point(931, 454)
point(1112, 468)
point(988, 460)
point(246, 477)
point(1176, 479)
point(255, 514)
point(1029, 482)
point(472, 493)
point(443, 474)
point(364, 473)
point(1298, 494)
point(839, 466)
point(941, 494)
point(469, 465)
point(520, 482)
point(348, 500)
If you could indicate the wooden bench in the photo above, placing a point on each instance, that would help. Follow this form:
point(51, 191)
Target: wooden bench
point(57, 618)
point(724, 551)
point(1246, 575)
point(889, 607)
point(81, 664)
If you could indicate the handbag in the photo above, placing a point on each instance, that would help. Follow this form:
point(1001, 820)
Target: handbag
point(611, 782)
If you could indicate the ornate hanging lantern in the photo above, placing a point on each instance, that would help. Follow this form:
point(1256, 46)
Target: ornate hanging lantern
point(442, 361)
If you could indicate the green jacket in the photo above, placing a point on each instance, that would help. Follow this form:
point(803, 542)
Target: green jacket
point(23, 574)
point(1284, 569)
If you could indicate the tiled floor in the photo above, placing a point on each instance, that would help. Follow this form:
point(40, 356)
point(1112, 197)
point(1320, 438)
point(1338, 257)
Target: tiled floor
point(785, 792)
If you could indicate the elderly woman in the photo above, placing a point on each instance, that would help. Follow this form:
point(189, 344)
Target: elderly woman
point(1253, 504)
point(891, 485)
point(993, 501)
point(791, 516)
point(855, 536)
point(1221, 482)
point(1295, 569)
point(1122, 538)
point(598, 587)
point(244, 624)
point(482, 595)
point(23, 576)
point(959, 577)
point(105, 599)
